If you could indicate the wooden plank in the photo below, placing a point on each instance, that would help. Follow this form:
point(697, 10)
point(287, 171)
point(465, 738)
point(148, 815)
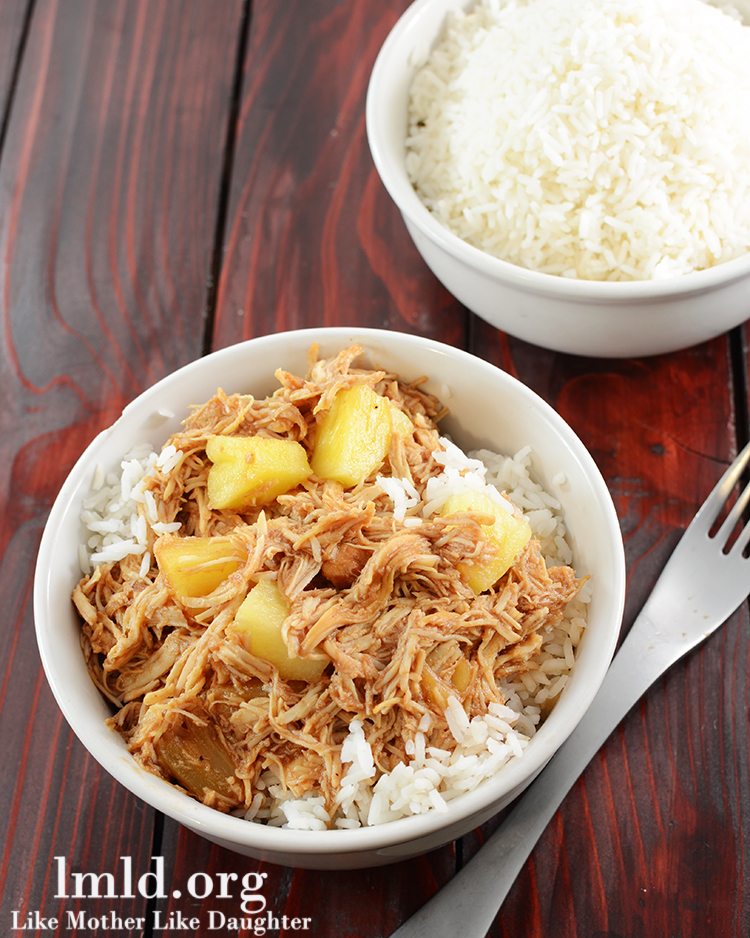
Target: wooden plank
point(109, 186)
point(311, 237)
point(650, 838)
point(12, 19)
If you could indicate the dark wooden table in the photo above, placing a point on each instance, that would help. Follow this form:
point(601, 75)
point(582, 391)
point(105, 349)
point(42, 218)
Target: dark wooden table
point(177, 175)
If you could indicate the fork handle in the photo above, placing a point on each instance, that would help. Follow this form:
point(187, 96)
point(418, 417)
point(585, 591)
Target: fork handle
point(467, 905)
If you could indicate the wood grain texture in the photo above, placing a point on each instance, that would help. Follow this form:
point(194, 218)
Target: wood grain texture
point(312, 238)
point(109, 183)
point(653, 839)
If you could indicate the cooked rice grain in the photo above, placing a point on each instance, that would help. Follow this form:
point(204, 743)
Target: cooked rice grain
point(597, 139)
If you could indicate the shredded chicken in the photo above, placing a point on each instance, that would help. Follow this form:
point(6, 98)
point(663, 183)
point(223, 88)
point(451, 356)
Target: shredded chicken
point(385, 603)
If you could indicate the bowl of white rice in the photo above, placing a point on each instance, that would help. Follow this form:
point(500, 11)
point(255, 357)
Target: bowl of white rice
point(575, 172)
point(517, 442)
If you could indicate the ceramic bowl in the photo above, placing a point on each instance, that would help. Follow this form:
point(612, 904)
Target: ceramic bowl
point(487, 408)
point(585, 317)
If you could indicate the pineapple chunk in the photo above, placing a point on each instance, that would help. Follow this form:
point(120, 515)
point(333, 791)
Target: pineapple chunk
point(196, 757)
point(508, 535)
point(433, 689)
point(353, 437)
point(400, 423)
point(461, 675)
point(258, 624)
point(253, 470)
point(195, 566)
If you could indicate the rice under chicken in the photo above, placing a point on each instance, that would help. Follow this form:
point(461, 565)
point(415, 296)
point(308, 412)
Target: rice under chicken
point(371, 576)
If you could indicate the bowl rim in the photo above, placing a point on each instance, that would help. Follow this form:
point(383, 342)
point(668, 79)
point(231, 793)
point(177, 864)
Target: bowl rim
point(232, 830)
point(392, 171)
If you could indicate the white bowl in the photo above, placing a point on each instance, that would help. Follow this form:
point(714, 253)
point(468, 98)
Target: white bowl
point(489, 408)
point(581, 316)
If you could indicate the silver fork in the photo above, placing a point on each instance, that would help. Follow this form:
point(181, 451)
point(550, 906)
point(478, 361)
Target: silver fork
point(700, 587)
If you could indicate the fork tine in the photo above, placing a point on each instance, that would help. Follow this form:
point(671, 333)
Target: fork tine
point(734, 516)
point(710, 509)
point(743, 540)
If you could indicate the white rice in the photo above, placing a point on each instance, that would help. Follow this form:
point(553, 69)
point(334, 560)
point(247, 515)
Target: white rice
point(402, 493)
point(119, 512)
point(430, 779)
point(598, 139)
point(461, 473)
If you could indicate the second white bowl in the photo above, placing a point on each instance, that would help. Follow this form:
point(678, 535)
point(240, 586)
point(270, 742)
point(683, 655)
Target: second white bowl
point(585, 317)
